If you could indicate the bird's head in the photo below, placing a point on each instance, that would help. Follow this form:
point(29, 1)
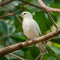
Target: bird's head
point(26, 15)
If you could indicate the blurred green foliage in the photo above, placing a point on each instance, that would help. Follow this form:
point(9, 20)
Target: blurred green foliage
point(11, 29)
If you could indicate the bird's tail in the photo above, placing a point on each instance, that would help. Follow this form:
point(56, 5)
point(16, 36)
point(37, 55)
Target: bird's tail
point(43, 51)
point(42, 48)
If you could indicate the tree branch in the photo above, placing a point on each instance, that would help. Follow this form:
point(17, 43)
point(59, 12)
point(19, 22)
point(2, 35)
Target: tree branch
point(19, 20)
point(45, 7)
point(31, 4)
point(5, 2)
point(10, 14)
point(47, 11)
point(18, 57)
point(42, 6)
point(18, 46)
point(52, 20)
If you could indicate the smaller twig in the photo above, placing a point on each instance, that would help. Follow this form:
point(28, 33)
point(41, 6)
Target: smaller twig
point(5, 2)
point(38, 57)
point(52, 20)
point(18, 19)
point(10, 14)
point(31, 4)
point(42, 6)
point(18, 57)
point(40, 1)
point(47, 9)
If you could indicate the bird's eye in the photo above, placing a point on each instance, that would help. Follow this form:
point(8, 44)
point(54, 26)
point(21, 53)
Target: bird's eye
point(24, 13)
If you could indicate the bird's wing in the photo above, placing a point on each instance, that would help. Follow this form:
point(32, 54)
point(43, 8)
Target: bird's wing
point(37, 27)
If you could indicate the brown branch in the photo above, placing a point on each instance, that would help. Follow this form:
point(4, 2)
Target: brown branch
point(45, 7)
point(52, 20)
point(10, 14)
point(31, 4)
point(47, 11)
point(18, 46)
point(42, 7)
point(5, 2)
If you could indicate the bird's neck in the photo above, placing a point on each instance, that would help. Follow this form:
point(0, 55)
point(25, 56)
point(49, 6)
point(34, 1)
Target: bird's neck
point(28, 18)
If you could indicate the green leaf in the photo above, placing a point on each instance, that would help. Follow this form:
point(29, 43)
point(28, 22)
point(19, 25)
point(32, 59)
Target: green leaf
point(48, 1)
point(57, 1)
point(18, 37)
point(51, 54)
point(3, 27)
point(34, 51)
point(2, 9)
point(28, 55)
point(42, 21)
point(3, 58)
point(11, 29)
point(56, 50)
point(17, 25)
point(9, 41)
point(29, 0)
point(12, 5)
point(19, 53)
point(51, 58)
point(56, 40)
point(6, 29)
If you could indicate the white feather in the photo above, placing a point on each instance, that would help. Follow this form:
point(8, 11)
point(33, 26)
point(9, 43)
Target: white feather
point(31, 28)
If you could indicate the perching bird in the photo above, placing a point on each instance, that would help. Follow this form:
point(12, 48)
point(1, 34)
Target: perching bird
point(31, 29)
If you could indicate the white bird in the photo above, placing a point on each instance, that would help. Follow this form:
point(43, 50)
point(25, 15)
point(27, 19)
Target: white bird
point(31, 29)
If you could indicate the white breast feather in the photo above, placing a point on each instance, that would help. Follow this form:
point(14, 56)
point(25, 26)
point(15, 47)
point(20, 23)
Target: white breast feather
point(31, 29)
